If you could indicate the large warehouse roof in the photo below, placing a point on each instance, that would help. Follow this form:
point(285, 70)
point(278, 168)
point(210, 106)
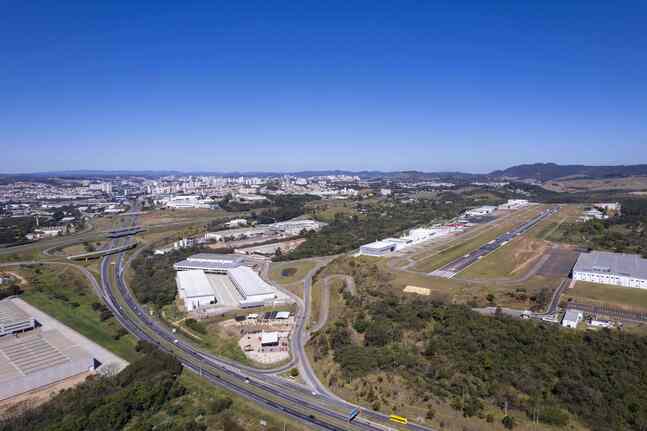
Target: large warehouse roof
point(194, 283)
point(39, 359)
point(215, 257)
point(248, 282)
point(210, 262)
point(13, 319)
point(603, 262)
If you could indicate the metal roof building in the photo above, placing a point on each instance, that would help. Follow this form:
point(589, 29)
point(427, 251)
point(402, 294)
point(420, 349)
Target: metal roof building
point(194, 289)
point(13, 319)
point(39, 359)
point(210, 262)
point(619, 269)
point(381, 248)
point(253, 289)
point(243, 286)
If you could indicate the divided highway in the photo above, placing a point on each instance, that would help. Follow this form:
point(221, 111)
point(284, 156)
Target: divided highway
point(317, 410)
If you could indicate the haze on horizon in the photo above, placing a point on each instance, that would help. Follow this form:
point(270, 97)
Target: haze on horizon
point(465, 86)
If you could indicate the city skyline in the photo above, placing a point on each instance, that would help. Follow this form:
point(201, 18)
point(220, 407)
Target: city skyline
point(254, 87)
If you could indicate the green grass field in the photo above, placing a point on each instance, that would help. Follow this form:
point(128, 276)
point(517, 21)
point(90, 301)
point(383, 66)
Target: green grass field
point(613, 296)
point(65, 295)
point(291, 272)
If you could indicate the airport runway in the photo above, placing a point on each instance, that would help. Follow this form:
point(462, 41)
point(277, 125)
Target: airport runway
point(458, 265)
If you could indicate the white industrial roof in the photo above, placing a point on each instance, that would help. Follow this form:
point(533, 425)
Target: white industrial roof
point(572, 315)
point(603, 262)
point(380, 245)
point(10, 313)
point(269, 337)
point(194, 283)
point(248, 282)
point(214, 257)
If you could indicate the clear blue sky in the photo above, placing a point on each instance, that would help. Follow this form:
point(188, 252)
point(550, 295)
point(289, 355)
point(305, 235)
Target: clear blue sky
point(244, 85)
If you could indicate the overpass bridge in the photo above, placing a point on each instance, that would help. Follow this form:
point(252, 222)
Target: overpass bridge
point(101, 253)
point(118, 233)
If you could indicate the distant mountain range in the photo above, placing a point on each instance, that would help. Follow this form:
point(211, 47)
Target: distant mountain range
point(535, 171)
point(551, 171)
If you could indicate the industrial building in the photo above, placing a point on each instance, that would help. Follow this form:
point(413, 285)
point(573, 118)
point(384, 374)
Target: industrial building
point(480, 211)
point(380, 248)
point(295, 227)
point(618, 269)
point(206, 280)
point(37, 359)
point(514, 204)
point(13, 319)
point(210, 262)
point(269, 339)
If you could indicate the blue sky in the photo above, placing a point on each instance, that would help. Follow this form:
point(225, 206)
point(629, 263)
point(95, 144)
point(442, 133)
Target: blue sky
point(224, 86)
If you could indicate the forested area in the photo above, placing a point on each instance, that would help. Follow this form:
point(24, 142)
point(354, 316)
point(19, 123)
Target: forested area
point(284, 207)
point(147, 395)
point(382, 220)
point(154, 276)
point(476, 363)
point(626, 233)
point(14, 229)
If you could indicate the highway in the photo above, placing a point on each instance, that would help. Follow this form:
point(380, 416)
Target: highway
point(459, 264)
point(316, 409)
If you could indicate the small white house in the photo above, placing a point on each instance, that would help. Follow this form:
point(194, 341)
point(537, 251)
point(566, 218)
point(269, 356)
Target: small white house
point(572, 318)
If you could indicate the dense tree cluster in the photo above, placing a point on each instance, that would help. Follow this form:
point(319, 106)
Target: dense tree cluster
point(382, 220)
point(154, 276)
point(14, 229)
point(626, 233)
point(471, 361)
point(109, 403)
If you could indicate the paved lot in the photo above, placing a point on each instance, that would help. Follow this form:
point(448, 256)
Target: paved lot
point(108, 359)
point(559, 264)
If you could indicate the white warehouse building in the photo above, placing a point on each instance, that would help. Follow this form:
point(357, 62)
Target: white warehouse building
point(618, 269)
point(381, 248)
point(205, 280)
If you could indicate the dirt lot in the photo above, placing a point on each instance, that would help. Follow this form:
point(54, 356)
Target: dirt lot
point(36, 397)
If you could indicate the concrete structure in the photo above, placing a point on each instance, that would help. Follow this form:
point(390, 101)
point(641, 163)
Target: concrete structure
point(39, 359)
point(618, 269)
point(572, 318)
point(13, 319)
